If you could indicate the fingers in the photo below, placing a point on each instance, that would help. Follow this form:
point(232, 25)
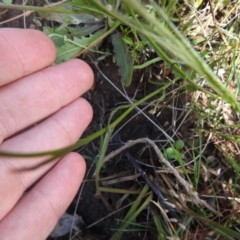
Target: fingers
point(40, 94)
point(60, 130)
point(23, 52)
point(52, 91)
point(46, 202)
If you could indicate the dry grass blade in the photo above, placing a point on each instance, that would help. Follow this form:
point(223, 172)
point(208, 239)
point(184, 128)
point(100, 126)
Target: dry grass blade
point(188, 187)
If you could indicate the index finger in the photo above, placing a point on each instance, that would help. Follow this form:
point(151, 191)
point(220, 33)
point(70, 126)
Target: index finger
point(23, 52)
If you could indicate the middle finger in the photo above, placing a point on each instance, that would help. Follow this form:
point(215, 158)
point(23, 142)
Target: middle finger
point(33, 98)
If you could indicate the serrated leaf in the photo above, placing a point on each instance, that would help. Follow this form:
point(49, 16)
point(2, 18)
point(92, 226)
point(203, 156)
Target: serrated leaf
point(69, 49)
point(123, 58)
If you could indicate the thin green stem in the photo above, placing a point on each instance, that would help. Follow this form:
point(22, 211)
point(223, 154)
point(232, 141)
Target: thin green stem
point(36, 9)
point(84, 141)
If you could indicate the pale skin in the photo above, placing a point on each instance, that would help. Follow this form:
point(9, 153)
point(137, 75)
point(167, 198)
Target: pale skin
point(32, 92)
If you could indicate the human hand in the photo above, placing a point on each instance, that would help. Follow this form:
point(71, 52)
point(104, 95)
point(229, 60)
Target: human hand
point(31, 92)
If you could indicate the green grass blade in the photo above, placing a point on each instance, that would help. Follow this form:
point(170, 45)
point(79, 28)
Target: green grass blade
point(171, 39)
point(118, 233)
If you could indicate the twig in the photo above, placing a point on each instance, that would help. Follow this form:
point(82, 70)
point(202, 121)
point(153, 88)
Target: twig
point(188, 187)
point(150, 183)
point(25, 14)
point(216, 23)
point(28, 12)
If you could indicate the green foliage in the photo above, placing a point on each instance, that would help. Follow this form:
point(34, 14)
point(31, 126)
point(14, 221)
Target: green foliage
point(179, 144)
point(167, 36)
point(68, 48)
point(87, 31)
point(133, 212)
point(123, 58)
point(172, 152)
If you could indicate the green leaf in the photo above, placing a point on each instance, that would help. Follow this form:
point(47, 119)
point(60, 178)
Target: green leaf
point(67, 48)
point(123, 58)
point(127, 40)
point(170, 153)
point(179, 144)
point(171, 7)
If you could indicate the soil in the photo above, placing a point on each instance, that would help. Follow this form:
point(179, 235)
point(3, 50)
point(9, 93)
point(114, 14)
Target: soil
point(104, 98)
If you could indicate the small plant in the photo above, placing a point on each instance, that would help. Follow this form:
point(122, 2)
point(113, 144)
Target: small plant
point(173, 152)
point(179, 144)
